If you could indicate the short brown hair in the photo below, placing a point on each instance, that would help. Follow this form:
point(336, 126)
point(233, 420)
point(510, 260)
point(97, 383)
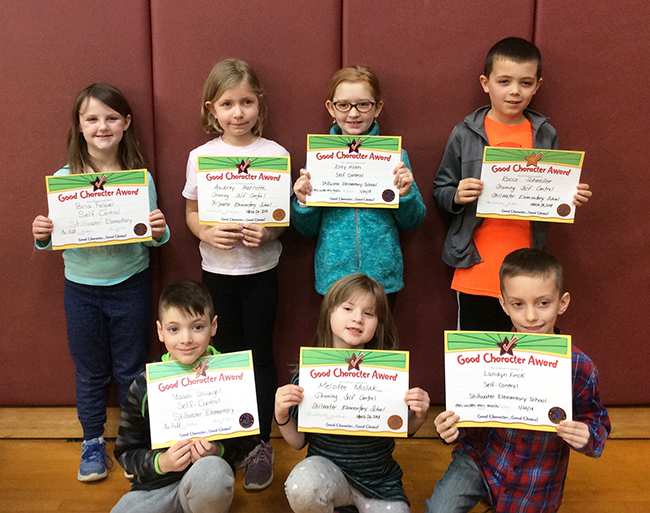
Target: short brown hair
point(225, 75)
point(342, 290)
point(187, 296)
point(514, 49)
point(532, 262)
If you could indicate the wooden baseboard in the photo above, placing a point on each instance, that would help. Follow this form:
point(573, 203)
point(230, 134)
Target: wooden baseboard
point(61, 422)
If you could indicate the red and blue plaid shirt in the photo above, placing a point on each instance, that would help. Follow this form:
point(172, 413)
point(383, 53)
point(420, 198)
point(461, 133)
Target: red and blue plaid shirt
point(525, 470)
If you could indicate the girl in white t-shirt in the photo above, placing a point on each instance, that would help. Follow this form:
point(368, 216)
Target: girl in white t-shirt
point(239, 260)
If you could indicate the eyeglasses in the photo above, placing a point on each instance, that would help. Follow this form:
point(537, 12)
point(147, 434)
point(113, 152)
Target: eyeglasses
point(361, 107)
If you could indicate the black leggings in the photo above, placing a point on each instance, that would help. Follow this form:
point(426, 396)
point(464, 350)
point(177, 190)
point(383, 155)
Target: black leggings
point(246, 306)
point(481, 313)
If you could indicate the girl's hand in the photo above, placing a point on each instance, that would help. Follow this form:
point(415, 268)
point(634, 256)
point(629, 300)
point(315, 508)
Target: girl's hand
point(576, 434)
point(177, 457)
point(468, 190)
point(403, 179)
point(42, 228)
point(418, 402)
point(445, 426)
point(223, 236)
point(201, 447)
point(286, 397)
point(302, 188)
point(582, 196)
point(255, 235)
point(157, 223)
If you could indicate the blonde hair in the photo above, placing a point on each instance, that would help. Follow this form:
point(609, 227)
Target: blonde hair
point(341, 291)
point(225, 75)
point(355, 74)
point(129, 153)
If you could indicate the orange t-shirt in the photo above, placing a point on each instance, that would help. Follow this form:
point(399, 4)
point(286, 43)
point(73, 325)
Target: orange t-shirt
point(495, 238)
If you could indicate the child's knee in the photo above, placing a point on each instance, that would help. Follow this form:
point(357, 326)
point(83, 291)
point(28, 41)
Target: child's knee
point(208, 486)
point(309, 487)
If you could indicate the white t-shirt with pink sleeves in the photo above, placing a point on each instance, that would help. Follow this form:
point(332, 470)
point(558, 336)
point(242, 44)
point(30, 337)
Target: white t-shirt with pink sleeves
point(241, 260)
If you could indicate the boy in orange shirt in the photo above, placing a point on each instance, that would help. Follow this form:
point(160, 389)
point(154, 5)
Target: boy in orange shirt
point(476, 246)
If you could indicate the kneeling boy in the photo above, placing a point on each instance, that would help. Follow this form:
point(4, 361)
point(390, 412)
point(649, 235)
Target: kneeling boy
point(521, 470)
point(191, 475)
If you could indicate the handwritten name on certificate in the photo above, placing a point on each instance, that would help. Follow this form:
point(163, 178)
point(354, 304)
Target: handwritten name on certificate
point(244, 190)
point(350, 392)
point(99, 209)
point(510, 380)
point(353, 171)
point(214, 398)
point(535, 185)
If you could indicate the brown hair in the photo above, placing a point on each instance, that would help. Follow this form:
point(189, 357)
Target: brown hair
point(532, 262)
point(188, 297)
point(225, 75)
point(342, 290)
point(513, 49)
point(129, 152)
point(355, 74)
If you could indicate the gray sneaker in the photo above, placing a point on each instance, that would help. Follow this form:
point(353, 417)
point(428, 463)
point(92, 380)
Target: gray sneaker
point(259, 467)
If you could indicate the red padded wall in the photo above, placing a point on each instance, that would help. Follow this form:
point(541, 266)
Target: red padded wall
point(295, 48)
point(595, 89)
point(428, 57)
point(49, 51)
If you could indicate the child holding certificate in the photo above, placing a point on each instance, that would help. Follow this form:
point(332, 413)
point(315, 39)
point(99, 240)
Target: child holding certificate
point(239, 260)
point(107, 288)
point(518, 470)
point(342, 470)
point(476, 246)
point(358, 240)
point(191, 475)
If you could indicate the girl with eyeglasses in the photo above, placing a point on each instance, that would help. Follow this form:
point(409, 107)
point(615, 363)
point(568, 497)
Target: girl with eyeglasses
point(358, 240)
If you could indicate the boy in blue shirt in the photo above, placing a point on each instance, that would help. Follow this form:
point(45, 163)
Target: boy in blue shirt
point(476, 246)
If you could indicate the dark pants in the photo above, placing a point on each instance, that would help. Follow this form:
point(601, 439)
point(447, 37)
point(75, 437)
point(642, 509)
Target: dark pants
point(481, 313)
point(109, 329)
point(246, 307)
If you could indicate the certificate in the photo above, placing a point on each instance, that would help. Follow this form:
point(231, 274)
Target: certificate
point(99, 209)
point(535, 185)
point(349, 392)
point(353, 171)
point(244, 190)
point(508, 380)
point(214, 398)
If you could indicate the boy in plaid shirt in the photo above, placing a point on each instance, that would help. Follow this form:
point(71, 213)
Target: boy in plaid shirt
point(513, 469)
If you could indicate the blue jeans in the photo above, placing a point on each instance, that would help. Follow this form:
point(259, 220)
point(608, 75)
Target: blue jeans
point(109, 330)
point(460, 489)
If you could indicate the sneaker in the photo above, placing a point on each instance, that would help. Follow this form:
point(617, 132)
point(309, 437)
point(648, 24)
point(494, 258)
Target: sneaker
point(94, 460)
point(259, 467)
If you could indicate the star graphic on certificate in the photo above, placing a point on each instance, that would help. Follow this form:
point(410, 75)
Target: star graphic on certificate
point(243, 166)
point(354, 145)
point(507, 346)
point(98, 184)
point(354, 361)
point(533, 159)
point(200, 368)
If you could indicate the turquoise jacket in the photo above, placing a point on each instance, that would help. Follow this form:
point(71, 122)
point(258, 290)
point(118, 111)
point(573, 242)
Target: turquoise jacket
point(360, 240)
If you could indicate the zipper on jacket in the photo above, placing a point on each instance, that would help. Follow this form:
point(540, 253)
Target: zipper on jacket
point(356, 230)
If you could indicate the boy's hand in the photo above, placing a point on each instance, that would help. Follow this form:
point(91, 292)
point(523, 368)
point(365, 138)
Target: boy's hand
point(582, 196)
point(445, 426)
point(576, 434)
point(201, 447)
point(468, 190)
point(223, 236)
point(157, 223)
point(302, 188)
point(403, 179)
point(255, 235)
point(418, 402)
point(177, 457)
point(286, 397)
point(42, 228)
